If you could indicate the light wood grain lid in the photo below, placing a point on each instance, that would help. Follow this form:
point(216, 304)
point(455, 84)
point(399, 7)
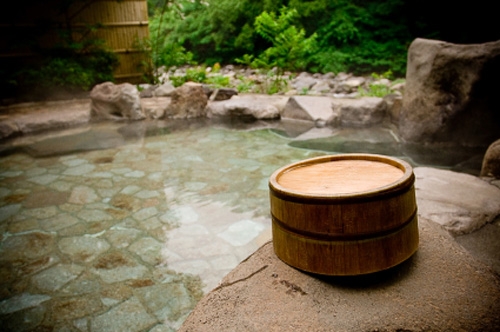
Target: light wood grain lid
point(339, 177)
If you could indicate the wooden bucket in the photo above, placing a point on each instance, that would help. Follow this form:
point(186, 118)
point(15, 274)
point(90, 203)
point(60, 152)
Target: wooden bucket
point(346, 214)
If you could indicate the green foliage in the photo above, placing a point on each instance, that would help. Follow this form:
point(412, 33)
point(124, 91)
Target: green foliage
point(378, 89)
point(164, 51)
point(218, 81)
point(72, 64)
point(79, 71)
point(349, 35)
point(375, 90)
point(199, 75)
point(290, 48)
point(245, 85)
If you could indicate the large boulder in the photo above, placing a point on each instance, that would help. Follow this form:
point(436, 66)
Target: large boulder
point(491, 161)
point(362, 112)
point(450, 93)
point(252, 106)
point(188, 101)
point(310, 108)
point(115, 102)
point(460, 203)
point(441, 288)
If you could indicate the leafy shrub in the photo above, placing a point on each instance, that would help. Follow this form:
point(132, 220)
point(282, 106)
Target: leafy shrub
point(218, 81)
point(290, 48)
point(375, 90)
point(70, 69)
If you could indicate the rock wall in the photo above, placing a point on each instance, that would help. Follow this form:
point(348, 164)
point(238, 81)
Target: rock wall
point(450, 93)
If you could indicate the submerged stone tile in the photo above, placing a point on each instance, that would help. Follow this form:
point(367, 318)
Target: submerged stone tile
point(242, 232)
point(22, 301)
point(56, 277)
point(116, 266)
point(129, 316)
point(145, 213)
point(79, 170)
point(58, 222)
point(135, 174)
point(167, 301)
point(143, 194)
point(25, 320)
point(94, 215)
point(148, 249)
point(41, 213)
point(101, 175)
point(21, 226)
point(195, 267)
point(225, 262)
point(150, 224)
point(121, 237)
point(44, 179)
point(83, 248)
point(26, 246)
point(82, 195)
point(182, 214)
point(162, 328)
point(45, 198)
point(35, 171)
point(84, 284)
point(74, 162)
point(81, 324)
point(65, 308)
point(11, 174)
point(8, 211)
point(34, 266)
point(130, 190)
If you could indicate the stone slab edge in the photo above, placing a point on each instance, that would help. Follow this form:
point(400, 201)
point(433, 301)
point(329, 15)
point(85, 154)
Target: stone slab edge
point(441, 288)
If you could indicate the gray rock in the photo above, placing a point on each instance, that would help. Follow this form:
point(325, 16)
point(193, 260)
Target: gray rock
point(321, 87)
point(8, 129)
point(223, 94)
point(460, 203)
point(265, 294)
point(449, 94)
point(188, 101)
point(394, 102)
point(310, 108)
point(360, 112)
point(115, 102)
point(491, 161)
point(164, 90)
point(255, 106)
point(154, 108)
point(53, 115)
point(147, 90)
point(304, 81)
point(350, 85)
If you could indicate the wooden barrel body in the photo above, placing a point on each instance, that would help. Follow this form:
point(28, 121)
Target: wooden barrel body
point(346, 214)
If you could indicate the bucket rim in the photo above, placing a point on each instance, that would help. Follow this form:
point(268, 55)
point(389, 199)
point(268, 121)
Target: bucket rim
point(402, 184)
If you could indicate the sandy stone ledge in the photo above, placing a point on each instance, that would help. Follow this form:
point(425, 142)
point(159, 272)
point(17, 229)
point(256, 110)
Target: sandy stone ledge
point(441, 288)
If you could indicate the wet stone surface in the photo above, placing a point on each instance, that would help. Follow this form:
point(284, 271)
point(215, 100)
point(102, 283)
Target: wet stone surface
point(128, 234)
point(129, 238)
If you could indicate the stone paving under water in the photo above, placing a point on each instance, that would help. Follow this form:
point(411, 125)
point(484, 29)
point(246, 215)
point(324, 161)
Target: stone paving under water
point(129, 237)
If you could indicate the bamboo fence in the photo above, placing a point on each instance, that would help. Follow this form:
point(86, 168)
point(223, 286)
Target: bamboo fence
point(122, 24)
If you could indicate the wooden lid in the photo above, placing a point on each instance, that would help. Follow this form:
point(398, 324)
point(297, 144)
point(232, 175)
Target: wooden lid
point(342, 176)
point(338, 177)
